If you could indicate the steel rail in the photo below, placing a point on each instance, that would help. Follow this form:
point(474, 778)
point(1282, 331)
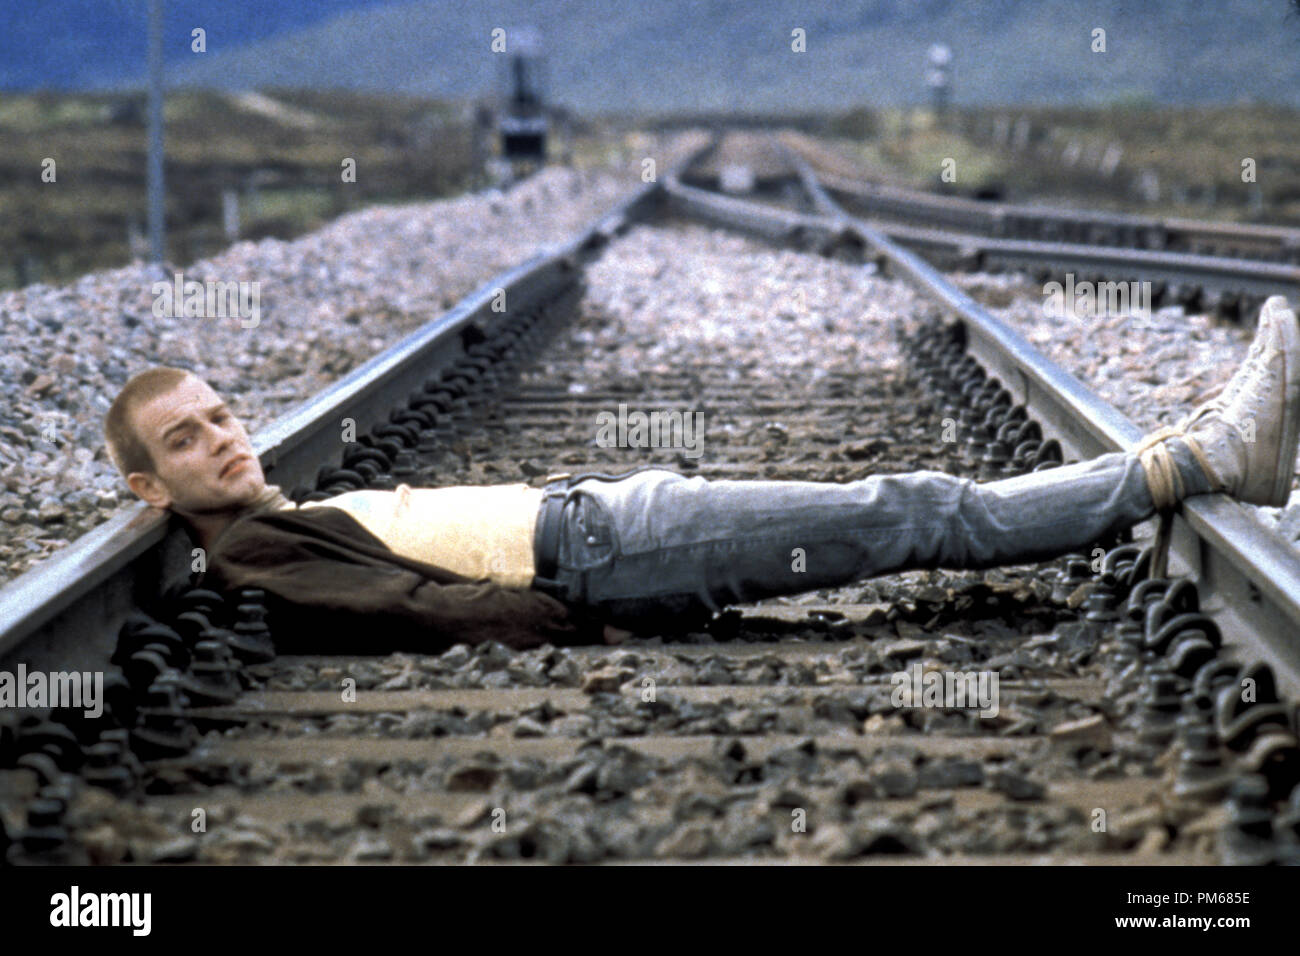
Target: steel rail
point(995, 219)
point(70, 606)
point(957, 250)
point(1191, 232)
point(1252, 573)
point(1010, 221)
point(1221, 279)
point(1215, 275)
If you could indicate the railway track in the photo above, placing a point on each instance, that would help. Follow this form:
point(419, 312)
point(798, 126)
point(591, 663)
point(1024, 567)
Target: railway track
point(1047, 224)
point(1224, 268)
point(780, 732)
point(1041, 222)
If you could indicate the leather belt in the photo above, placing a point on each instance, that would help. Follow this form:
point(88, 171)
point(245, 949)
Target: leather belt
point(546, 542)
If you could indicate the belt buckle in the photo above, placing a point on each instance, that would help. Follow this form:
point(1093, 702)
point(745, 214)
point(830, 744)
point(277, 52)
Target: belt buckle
point(557, 485)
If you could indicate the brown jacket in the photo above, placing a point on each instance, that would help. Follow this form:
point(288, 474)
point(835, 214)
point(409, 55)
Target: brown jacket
point(335, 586)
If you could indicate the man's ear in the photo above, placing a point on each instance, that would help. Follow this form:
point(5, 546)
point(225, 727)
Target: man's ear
point(147, 486)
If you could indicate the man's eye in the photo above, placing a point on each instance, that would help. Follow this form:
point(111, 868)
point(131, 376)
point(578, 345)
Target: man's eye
point(181, 443)
point(220, 417)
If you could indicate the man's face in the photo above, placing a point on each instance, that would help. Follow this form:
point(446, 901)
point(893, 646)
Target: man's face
point(203, 460)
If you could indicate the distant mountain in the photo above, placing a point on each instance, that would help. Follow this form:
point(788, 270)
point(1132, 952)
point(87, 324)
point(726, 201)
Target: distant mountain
point(621, 55)
point(74, 44)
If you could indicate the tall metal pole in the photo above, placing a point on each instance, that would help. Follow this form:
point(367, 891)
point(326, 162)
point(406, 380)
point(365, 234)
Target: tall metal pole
point(157, 238)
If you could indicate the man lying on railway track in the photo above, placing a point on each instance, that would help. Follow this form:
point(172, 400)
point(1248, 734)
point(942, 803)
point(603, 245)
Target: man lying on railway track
point(656, 550)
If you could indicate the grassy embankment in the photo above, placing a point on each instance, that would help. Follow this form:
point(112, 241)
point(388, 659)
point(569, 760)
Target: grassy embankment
point(281, 154)
point(1193, 156)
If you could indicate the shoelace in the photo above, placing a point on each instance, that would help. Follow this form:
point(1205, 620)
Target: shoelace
point(1163, 478)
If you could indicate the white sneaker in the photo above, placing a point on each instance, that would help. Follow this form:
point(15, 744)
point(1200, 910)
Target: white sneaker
point(1246, 438)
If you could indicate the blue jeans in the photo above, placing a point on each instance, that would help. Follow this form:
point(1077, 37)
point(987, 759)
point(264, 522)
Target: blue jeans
point(659, 549)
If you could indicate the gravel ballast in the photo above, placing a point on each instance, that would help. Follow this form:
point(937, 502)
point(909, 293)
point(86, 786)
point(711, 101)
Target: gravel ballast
point(328, 302)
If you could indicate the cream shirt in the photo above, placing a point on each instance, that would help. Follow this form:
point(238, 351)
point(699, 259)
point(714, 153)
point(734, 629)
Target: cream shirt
point(478, 532)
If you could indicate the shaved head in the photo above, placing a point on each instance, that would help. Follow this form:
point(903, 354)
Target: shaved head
point(126, 449)
point(180, 447)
